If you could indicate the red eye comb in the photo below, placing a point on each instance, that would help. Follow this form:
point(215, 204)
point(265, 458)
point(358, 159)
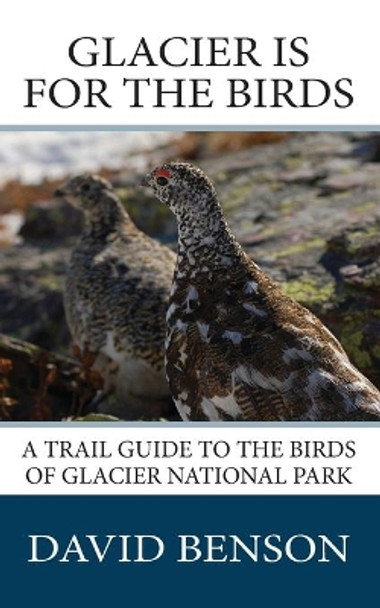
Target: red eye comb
point(163, 173)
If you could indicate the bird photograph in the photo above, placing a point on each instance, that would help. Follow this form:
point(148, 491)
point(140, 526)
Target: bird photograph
point(237, 347)
point(115, 296)
point(221, 276)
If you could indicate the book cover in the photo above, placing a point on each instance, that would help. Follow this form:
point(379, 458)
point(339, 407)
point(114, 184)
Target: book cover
point(189, 297)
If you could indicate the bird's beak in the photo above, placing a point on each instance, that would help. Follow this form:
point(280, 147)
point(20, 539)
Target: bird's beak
point(145, 182)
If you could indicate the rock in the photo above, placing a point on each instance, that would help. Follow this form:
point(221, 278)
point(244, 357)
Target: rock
point(155, 220)
point(344, 182)
point(357, 243)
point(51, 220)
point(305, 174)
point(31, 280)
point(54, 221)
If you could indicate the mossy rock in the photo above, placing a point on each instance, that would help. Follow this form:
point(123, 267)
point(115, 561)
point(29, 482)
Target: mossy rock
point(357, 242)
point(360, 336)
point(149, 215)
point(311, 292)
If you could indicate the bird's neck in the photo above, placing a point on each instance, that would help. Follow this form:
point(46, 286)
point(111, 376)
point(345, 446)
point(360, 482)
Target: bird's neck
point(107, 216)
point(204, 237)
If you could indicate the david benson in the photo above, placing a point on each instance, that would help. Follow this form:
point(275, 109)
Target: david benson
point(188, 548)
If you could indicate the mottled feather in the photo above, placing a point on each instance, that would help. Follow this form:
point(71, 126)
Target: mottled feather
point(237, 347)
point(116, 295)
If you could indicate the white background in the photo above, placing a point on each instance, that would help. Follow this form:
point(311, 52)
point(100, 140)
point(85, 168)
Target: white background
point(34, 38)
point(14, 441)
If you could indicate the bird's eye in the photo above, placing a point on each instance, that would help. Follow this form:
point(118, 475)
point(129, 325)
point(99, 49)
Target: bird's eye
point(162, 176)
point(85, 188)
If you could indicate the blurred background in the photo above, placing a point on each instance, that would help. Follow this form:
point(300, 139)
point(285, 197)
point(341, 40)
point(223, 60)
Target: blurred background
point(304, 205)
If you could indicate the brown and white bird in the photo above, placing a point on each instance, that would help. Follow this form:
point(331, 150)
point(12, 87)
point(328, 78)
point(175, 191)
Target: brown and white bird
point(116, 295)
point(237, 347)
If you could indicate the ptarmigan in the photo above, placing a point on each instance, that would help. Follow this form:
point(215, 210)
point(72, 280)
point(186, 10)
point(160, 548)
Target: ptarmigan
point(238, 348)
point(116, 295)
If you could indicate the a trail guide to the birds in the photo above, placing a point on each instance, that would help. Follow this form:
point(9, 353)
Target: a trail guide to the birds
point(242, 461)
point(243, 450)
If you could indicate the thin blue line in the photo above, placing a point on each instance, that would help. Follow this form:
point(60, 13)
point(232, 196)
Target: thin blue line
point(187, 127)
point(131, 424)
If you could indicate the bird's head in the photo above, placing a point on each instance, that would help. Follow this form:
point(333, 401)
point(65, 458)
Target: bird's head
point(84, 191)
point(181, 186)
